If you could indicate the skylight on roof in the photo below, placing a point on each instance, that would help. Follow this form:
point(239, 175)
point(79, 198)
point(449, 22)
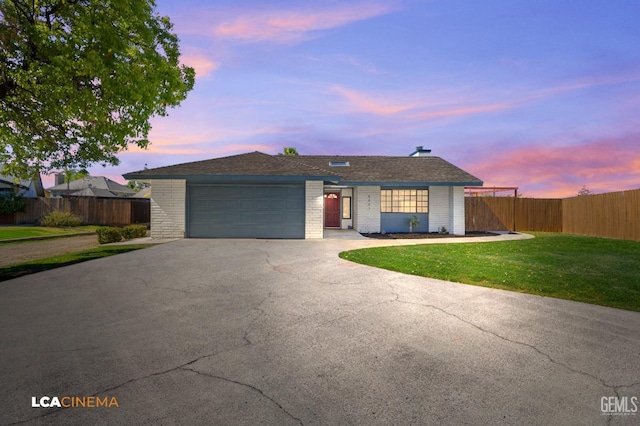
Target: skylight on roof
point(339, 163)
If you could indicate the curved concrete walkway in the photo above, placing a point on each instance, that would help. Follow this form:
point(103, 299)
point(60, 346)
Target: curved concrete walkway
point(362, 241)
point(286, 333)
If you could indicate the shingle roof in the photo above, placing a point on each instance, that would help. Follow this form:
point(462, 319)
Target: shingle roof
point(93, 192)
point(364, 169)
point(99, 182)
point(391, 169)
point(251, 164)
point(12, 181)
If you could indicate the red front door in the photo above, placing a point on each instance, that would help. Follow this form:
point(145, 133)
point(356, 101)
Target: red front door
point(332, 210)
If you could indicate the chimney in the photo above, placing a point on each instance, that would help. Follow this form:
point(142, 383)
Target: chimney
point(59, 178)
point(421, 152)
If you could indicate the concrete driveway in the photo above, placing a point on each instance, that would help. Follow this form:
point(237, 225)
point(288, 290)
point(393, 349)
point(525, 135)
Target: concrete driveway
point(244, 332)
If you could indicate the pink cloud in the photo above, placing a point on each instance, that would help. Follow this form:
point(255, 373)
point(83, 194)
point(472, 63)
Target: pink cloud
point(583, 83)
point(440, 105)
point(366, 103)
point(461, 111)
point(203, 65)
point(414, 108)
point(283, 26)
point(543, 170)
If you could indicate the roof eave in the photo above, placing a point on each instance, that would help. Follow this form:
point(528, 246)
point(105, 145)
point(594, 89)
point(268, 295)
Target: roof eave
point(409, 184)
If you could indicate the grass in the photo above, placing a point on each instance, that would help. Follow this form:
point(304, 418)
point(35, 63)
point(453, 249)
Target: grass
point(586, 269)
point(31, 267)
point(11, 232)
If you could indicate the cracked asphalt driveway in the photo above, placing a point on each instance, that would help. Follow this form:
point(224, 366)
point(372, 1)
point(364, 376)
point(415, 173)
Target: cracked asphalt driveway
point(285, 333)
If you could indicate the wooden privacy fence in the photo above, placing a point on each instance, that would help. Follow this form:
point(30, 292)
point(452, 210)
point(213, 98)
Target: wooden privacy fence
point(92, 211)
point(613, 215)
point(511, 214)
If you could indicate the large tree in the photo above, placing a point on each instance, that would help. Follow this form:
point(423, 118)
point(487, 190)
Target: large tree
point(80, 79)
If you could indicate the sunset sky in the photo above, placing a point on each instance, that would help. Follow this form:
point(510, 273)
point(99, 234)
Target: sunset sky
point(542, 95)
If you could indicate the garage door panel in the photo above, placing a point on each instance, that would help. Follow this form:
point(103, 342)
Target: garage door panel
point(246, 211)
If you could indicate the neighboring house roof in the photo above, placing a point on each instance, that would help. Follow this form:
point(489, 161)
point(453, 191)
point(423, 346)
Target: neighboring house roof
point(93, 192)
point(364, 170)
point(93, 182)
point(26, 188)
point(11, 182)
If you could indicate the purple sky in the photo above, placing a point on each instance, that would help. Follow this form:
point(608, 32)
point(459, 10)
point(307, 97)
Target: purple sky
point(542, 95)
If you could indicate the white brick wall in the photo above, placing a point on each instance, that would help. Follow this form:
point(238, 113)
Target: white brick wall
point(168, 201)
point(438, 208)
point(456, 210)
point(367, 208)
point(446, 208)
point(314, 204)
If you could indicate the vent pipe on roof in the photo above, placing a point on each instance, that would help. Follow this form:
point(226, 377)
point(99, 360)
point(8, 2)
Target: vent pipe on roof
point(420, 152)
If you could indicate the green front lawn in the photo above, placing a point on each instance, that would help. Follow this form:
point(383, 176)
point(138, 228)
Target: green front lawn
point(11, 232)
point(586, 269)
point(18, 270)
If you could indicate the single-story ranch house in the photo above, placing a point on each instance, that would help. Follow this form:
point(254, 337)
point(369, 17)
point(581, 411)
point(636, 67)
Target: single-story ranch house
point(257, 195)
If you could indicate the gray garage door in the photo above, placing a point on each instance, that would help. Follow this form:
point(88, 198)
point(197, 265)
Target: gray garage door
point(246, 211)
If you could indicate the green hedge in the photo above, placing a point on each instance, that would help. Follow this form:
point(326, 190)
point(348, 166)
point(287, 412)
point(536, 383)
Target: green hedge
point(134, 231)
point(60, 220)
point(109, 234)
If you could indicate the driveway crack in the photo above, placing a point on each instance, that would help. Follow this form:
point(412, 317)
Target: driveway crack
point(276, 268)
point(136, 379)
point(282, 270)
point(253, 388)
point(48, 413)
point(353, 314)
point(261, 312)
point(517, 342)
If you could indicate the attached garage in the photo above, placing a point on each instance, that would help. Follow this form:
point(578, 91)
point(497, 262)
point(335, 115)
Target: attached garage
point(246, 210)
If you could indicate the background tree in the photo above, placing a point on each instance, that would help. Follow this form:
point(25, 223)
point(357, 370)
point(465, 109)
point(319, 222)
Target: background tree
point(289, 151)
point(138, 185)
point(71, 174)
point(79, 80)
point(584, 191)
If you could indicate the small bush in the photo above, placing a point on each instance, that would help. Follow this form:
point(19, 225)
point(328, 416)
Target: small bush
point(134, 231)
point(60, 220)
point(108, 234)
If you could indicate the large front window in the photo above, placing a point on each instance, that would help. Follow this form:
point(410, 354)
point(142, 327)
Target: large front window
point(404, 200)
